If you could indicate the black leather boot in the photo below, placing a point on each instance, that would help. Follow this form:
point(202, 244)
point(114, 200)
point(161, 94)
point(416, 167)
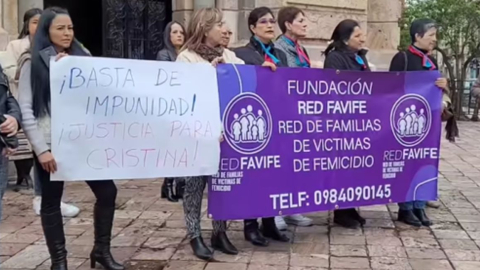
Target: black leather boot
point(253, 234)
point(167, 190)
point(345, 219)
point(270, 230)
point(52, 225)
point(221, 242)
point(408, 217)
point(422, 217)
point(200, 249)
point(102, 222)
point(179, 189)
point(24, 167)
point(355, 215)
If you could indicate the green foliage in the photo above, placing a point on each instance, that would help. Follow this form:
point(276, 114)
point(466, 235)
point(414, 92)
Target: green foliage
point(459, 21)
point(458, 35)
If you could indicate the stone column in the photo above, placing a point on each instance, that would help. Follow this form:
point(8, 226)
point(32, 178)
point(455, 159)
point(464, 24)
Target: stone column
point(244, 7)
point(23, 6)
point(182, 11)
point(198, 4)
point(10, 17)
point(230, 14)
point(383, 31)
point(8, 21)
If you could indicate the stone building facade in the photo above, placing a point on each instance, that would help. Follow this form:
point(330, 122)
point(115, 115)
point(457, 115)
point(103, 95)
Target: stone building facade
point(378, 17)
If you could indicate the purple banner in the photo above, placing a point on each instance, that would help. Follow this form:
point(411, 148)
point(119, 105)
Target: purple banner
point(305, 140)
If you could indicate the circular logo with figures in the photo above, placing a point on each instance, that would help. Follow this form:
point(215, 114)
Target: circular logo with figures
point(247, 123)
point(411, 119)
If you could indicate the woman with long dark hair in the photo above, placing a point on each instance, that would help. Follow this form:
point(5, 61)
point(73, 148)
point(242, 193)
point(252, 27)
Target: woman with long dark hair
point(55, 38)
point(261, 51)
point(173, 40)
point(23, 158)
point(346, 52)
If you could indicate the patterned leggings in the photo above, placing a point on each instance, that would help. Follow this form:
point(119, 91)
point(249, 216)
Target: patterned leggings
point(192, 206)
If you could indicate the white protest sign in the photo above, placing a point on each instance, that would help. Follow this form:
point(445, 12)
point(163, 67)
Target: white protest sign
point(133, 119)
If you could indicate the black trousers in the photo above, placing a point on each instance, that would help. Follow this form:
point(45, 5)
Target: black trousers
point(252, 224)
point(105, 192)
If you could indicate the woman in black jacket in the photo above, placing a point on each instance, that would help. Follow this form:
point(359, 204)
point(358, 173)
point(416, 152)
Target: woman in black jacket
point(346, 53)
point(261, 51)
point(423, 33)
point(173, 40)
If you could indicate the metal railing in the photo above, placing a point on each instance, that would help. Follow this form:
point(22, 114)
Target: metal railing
point(468, 102)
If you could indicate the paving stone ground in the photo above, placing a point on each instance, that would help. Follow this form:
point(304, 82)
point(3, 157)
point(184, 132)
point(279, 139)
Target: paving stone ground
point(149, 232)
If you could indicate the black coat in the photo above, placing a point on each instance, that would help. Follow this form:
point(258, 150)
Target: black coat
point(413, 62)
point(8, 105)
point(344, 59)
point(252, 54)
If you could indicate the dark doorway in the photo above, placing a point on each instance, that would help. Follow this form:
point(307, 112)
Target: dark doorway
point(87, 20)
point(119, 28)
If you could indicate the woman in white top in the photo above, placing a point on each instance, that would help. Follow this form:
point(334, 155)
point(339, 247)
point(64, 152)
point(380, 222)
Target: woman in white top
point(22, 44)
point(204, 45)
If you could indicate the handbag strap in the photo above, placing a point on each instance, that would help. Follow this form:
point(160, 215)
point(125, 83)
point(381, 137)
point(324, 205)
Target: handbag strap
point(406, 61)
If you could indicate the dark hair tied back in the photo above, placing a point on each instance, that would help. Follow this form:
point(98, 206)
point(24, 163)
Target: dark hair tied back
point(341, 35)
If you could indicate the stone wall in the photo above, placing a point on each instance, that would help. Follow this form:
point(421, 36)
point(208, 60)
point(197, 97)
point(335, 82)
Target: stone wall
point(379, 18)
point(8, 21)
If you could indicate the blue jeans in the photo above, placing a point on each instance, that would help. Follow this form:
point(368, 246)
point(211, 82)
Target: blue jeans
point(408, 206)
point(3, 179)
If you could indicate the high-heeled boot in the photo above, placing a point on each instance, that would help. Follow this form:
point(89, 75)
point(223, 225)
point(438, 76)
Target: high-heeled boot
point(167, 190)
point(53, 229)
point(269, 229)
point(102, 222)
point(200, 249)
point(179, 188)
point(221, 242)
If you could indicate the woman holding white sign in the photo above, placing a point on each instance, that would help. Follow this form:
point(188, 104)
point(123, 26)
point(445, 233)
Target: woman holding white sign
point(204, 46)
point(346, 52)
point(20, 50)
point(55, 38)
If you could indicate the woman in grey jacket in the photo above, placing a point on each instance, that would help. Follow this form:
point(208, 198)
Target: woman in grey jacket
point(54, 38)
point(173, 40)
point(292, 22)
